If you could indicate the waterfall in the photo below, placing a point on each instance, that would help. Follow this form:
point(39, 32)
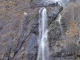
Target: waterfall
point(59, 21)
point(43, 47)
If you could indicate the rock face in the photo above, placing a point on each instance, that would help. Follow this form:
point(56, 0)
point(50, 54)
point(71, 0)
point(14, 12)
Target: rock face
point(67, 48)
point(19, 30)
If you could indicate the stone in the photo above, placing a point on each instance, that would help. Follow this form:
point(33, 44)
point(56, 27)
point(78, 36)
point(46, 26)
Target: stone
point(19, 30)
point(70, 25)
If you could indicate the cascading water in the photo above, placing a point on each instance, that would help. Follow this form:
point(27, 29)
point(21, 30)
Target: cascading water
point(59, 21)
point(43, 48)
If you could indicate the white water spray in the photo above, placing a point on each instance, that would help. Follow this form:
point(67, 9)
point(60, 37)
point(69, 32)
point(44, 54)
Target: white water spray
point(43, 48)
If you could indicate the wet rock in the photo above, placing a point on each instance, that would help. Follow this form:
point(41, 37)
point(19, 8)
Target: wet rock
point(53, 13)
point(54, 33)
point(32, 44)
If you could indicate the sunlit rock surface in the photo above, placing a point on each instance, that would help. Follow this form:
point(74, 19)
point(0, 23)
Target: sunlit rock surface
point(19, 30)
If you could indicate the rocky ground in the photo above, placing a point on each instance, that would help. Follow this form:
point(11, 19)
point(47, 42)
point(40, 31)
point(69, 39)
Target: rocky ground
point(19, 30)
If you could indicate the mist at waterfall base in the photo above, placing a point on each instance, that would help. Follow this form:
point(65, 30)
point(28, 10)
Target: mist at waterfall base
point(43, 47)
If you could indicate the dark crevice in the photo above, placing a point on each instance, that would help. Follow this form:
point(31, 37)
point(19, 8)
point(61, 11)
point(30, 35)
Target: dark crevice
point(24, 37)
point(56, 16)
point(7, 54)
point(21, 41)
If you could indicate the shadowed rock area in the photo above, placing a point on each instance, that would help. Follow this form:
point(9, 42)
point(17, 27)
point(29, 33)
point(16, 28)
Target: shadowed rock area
point(19, 30)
